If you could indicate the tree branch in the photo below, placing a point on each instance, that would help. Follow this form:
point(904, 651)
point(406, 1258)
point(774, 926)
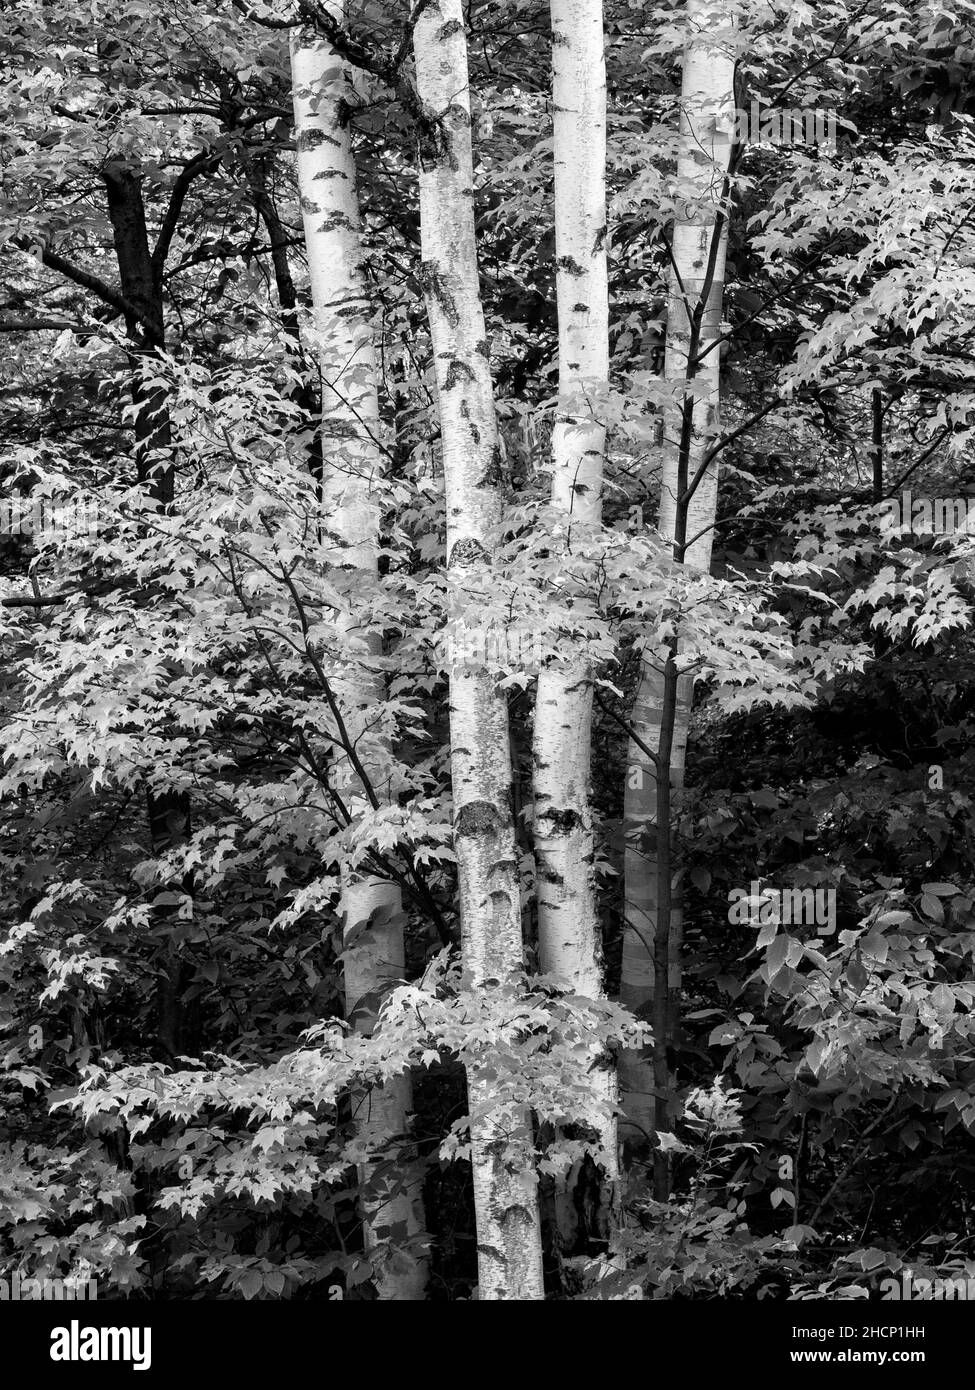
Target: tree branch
point(84, 278)
point(201, 164)
point(643, 747)
point(38, 602)
point(387, 69)
point(265, 21)
point(35, 325)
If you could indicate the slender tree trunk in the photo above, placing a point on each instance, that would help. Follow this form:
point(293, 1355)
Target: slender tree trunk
point(651, 970)
point(256, 171)
point(877, 442)
point(141, 284)
point(372, 908)
point(505, 1193)
point(569, 936)
point(168, 812)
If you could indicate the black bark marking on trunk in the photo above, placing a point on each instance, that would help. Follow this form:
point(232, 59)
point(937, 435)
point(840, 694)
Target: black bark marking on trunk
point(503, 866)
point(563, 821)
point(458, 114)
point(433, 147)
point(493, 474)
point(310, 137)
point(456, 372)
point(337, 221)
point(467, 551)
point(434, 288)
point(465, 411)
point(477, 818)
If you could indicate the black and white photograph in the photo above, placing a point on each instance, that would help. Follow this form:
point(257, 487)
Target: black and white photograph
point(487, 671)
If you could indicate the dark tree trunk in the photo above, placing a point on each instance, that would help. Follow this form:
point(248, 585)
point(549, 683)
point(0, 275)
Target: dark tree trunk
point(140, 278)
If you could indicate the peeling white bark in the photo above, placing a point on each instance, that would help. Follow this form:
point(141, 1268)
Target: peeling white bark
point(352, 467)
point(569, 938)
point(505, 1195)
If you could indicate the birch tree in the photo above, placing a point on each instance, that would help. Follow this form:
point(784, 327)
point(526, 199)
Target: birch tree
point(505, 1193)
point(689, 488)
point(352, 469)
point(569, 937)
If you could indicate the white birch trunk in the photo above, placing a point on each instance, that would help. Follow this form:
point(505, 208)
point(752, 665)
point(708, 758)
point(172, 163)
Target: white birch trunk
point(569, 938)
point(707, 125)
point(352, 467)
point(505, 1195)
